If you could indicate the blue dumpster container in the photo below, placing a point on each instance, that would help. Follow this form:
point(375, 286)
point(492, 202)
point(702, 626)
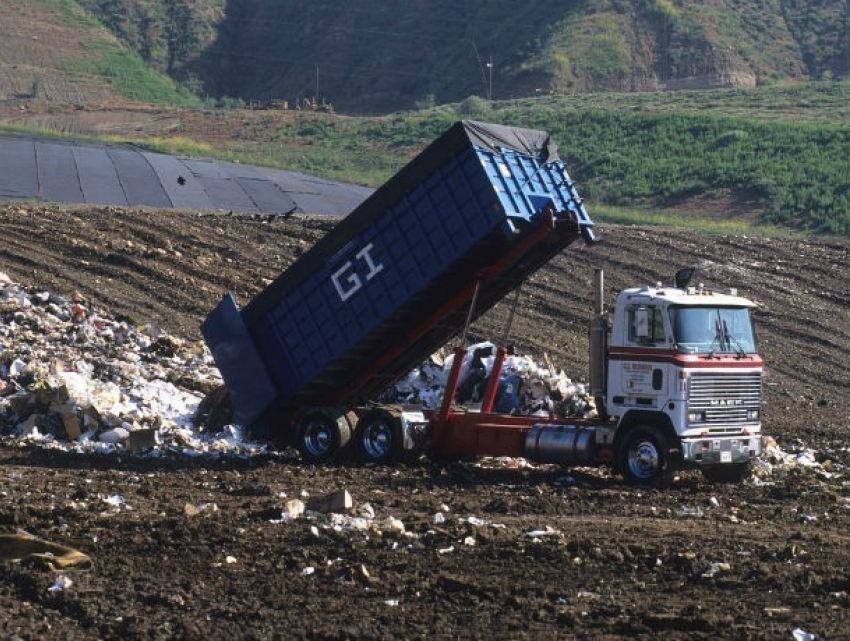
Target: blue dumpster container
point(392, 281)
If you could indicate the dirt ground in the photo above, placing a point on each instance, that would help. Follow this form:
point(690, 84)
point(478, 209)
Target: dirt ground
point(197, 548)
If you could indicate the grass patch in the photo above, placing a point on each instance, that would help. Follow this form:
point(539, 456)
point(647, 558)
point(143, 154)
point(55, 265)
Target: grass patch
point(177, 146)
point(704, 225)
point(129, 76)
point(70, 13)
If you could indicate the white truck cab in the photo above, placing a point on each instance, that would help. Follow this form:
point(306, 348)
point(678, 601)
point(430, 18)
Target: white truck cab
point(682, 378)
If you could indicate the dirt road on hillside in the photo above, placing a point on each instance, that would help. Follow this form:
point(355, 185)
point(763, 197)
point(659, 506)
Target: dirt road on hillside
point(197, 548)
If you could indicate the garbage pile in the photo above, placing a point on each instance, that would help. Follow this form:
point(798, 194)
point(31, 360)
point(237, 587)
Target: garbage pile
point(75, 378)
point(827, 464)
point(526, 387)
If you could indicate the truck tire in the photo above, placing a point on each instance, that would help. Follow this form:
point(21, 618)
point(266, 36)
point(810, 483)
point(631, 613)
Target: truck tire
point(323, 435)
point(731, 473)
point(379, 438)
point(644, 458)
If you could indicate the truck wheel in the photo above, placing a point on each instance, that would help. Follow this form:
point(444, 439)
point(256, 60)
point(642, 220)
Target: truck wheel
point(379, 437)
point(732, 473)
point(323, 435)
point(644, 458)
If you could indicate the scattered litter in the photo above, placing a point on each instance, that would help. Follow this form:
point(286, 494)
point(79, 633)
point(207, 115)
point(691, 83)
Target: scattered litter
point(366, 511)
point(549, 531)
point(293, 509)
point(690, 511)
point(392, 602)
point(61, 583)
point(230, 560)
point(346, 523)
point(802, 635)
point(116, 500)
point(447, 550)
point(392, 524)
point(439, 518)
point(715, 568)
point(30, 550)
point(470, 540)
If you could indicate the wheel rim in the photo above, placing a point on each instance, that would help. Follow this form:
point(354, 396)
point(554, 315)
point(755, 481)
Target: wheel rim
point(318, 439)
point(644, 460)
point(378, 440)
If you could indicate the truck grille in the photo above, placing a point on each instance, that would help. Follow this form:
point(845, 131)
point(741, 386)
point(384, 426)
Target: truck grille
point(724, 398)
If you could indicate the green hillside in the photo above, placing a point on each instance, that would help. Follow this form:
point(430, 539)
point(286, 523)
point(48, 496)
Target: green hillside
point(379, 56)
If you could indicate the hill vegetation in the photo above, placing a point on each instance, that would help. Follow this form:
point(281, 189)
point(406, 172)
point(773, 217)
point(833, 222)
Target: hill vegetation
point(379, 56)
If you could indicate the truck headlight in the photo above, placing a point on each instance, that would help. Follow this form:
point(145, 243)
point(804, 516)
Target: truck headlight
point(696, 417)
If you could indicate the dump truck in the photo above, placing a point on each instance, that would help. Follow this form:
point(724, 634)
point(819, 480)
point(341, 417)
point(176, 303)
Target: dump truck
point(675, 373)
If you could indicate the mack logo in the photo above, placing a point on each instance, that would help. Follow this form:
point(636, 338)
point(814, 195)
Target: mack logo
point(725, 402)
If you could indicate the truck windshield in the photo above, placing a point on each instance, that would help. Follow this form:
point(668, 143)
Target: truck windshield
point(713, 330)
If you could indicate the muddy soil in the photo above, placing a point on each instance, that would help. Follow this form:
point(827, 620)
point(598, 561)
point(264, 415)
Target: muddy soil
point(198, 549)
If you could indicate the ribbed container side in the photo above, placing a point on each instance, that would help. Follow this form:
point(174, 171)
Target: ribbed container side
point(377, 272)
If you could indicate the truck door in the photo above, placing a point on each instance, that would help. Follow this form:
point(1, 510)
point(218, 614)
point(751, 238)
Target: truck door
point(645, 376)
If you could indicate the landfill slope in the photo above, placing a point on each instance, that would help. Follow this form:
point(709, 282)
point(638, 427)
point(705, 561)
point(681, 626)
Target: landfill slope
point(206, 545)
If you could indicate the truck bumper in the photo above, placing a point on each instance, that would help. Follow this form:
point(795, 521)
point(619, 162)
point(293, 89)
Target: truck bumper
point(720, 450)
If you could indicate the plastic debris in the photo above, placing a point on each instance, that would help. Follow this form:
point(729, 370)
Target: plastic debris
point(801, 635)
point(526, 387)
point(366, 511)
point(115, 500)
point(715, 569)
point(293, 508)
point(690, 511)
point(392, 524)
point(61, 583)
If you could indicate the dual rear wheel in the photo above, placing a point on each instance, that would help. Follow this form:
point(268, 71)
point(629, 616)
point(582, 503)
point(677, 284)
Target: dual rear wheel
point(328, 435)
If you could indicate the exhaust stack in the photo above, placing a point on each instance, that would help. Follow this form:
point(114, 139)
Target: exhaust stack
point(598, 341)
